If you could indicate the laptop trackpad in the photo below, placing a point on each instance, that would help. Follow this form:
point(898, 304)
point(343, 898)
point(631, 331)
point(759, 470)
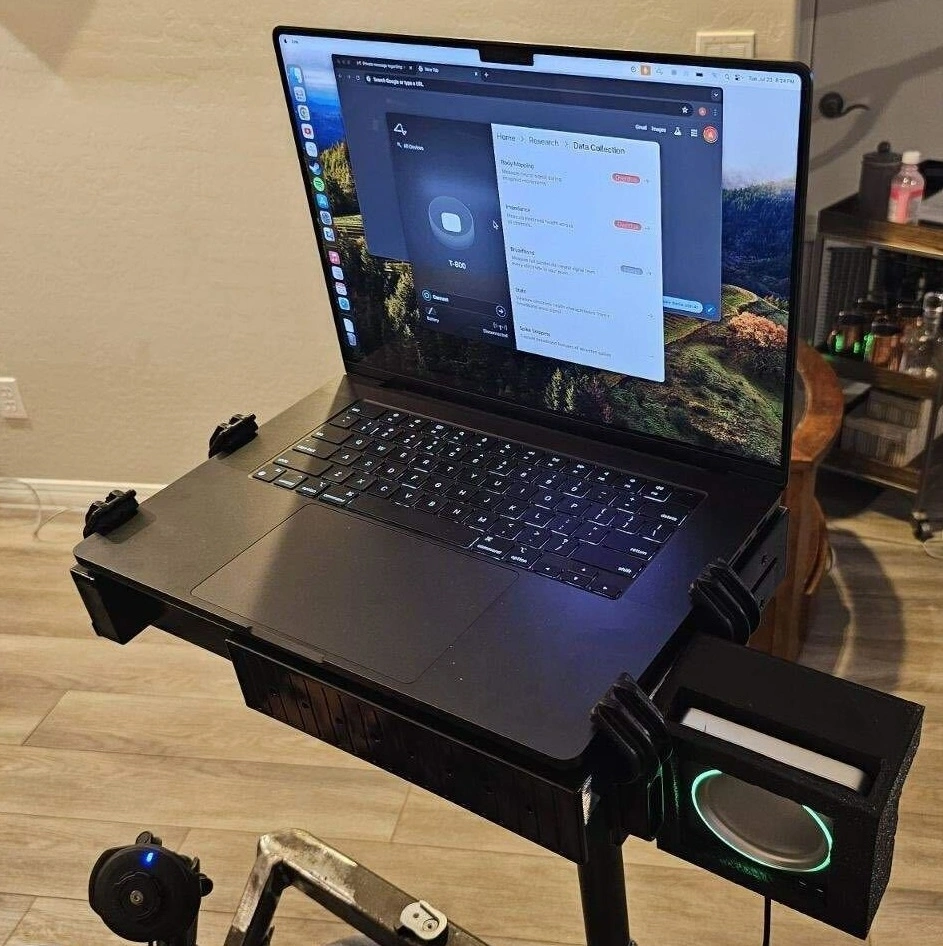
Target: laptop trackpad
point(386, 600)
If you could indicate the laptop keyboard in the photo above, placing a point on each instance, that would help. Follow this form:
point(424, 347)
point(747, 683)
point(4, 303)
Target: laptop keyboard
point(590, 526)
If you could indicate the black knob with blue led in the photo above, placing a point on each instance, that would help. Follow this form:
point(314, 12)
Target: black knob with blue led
point(146, 893)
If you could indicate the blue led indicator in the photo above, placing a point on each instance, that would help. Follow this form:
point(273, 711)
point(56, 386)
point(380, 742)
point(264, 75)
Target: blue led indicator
point(149, 858)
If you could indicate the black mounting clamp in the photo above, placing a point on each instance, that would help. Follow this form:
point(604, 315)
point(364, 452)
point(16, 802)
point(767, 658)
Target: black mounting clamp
point(632, 721)
point(723, 604)
point(106, 514)
point(233, 434)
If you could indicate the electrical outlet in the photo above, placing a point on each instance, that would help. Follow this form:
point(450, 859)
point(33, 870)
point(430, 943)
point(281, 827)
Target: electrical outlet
point(11, 403)
point(738, 44)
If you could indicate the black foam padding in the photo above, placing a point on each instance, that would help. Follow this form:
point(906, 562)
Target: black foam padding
point(870, 730)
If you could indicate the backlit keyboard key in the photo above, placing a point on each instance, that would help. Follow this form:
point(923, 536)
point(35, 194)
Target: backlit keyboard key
point(669, 512)
point(492, 546)
point(522, 555)
point(269, 473)
point(632, 545)
point(609, 586)
point(330, 434)
point(290, 480)
point(657, 492)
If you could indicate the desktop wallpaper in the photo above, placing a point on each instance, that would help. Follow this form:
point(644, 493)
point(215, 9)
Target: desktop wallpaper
point(724, 380)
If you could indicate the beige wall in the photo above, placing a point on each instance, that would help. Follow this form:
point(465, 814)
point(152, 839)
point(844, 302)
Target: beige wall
point(156, 257)
point(893, 63)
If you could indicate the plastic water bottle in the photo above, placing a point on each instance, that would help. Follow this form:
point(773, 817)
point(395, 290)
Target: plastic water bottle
point(922, 349)
point(906, 190)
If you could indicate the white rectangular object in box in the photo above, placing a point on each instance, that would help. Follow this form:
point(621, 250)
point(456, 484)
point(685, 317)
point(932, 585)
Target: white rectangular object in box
point(898, 409)
point(881, 440)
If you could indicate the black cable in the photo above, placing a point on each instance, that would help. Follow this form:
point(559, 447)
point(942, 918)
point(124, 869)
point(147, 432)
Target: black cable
point(767, 907)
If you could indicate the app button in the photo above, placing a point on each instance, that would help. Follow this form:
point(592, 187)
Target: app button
point(427, 295)
point(304, 113)
point(340, 289)
point(307, 131)
point(710, 134)
point(334, 257)
point(299, 92)
point(323, 202)
point(344, 303)
point(297, 76)
point(311, 148)
point(500, 311)
point(348, 325)
point(451, 222)
point(352, 339)
point(326, 218)
point(318, 184)
point(315, 167)
point(329, 234)
point(645, 70)
point(702, 111)
point(337, 272)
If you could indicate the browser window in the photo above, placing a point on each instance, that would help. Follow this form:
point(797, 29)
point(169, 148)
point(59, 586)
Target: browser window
point(531, 205)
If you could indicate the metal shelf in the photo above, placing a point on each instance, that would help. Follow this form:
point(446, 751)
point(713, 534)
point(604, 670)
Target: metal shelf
point(886, 380)
point(864, 468)
point(841, 220)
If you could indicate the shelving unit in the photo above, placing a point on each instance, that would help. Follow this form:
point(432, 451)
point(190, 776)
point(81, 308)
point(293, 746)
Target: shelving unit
point(850, 256)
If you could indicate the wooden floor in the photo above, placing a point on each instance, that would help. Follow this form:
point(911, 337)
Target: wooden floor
point(98, 742)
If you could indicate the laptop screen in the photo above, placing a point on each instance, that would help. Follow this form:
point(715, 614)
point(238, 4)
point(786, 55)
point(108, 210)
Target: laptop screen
point(607, 239)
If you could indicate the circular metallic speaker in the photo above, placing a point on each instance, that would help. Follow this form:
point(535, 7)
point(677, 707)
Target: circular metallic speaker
point(769, 829)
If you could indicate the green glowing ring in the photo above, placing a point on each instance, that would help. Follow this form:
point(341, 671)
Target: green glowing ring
point(816, 818)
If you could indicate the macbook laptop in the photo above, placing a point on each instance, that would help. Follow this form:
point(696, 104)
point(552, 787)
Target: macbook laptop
point(564, 286)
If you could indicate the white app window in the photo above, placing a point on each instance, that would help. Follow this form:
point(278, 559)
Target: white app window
point(582, 238)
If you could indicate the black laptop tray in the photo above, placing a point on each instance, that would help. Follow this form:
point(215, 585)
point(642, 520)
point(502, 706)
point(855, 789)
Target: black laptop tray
point(533, 798)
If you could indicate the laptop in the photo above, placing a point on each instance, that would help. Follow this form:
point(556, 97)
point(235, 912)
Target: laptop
point(564, 284)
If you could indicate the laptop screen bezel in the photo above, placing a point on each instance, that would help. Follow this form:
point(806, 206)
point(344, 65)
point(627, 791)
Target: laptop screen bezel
point(519, 53)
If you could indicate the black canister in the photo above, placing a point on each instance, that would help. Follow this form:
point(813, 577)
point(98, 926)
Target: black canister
point(874, 187)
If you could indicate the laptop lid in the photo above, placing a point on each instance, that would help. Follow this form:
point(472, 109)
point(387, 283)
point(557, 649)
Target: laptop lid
point(608, 240)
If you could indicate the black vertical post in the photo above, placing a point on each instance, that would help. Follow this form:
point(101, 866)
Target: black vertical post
point(602, 888)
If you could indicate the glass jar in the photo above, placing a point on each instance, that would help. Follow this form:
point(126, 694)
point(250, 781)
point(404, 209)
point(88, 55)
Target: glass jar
point(921, 351)
point(847, 337)
point(882, 345)
point(907, 315)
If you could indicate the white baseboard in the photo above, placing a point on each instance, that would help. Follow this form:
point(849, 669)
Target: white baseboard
point(65, 494)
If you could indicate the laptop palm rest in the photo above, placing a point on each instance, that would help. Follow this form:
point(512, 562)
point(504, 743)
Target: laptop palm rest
point(358, 590)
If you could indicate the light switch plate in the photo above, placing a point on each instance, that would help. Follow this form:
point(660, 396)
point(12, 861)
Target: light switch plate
point(738, 44)
point(11, 402)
